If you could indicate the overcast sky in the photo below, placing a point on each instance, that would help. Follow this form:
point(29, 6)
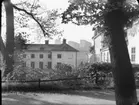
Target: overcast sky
point(71, 32)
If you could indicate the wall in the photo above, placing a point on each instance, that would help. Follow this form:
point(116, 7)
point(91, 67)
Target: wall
point(98, 46)
point(134, 42)
point(37, 59)
point(83, 57)
point(102, 54)
point(67, 58)
point(1, 60)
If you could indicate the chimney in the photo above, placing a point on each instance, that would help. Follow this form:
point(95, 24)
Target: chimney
point(64, 41)
point(46, 42)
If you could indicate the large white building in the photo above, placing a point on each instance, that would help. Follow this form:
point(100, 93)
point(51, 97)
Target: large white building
point(101, 51)
point(49, 55)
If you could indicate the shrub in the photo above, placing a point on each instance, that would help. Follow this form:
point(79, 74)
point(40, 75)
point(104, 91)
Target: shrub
point(26, 74)
point(98, 73)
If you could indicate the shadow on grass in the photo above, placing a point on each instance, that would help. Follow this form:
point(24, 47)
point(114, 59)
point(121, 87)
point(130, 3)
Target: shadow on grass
point(54, 88)
point(11, 99)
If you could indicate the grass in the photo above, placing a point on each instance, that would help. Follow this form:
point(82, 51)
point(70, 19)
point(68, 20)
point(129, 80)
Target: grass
point(94, 97)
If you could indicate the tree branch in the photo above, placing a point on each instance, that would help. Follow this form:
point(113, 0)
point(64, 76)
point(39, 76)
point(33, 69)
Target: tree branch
point(32, 16)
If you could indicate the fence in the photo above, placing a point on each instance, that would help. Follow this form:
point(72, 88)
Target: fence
point(7, 82)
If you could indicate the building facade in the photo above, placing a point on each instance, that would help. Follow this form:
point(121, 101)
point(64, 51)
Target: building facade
point(1, 59)
point(83, 48)
point(47, 55)
point(102, 52)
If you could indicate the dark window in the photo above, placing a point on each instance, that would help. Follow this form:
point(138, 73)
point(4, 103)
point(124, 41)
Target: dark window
point(41, 48)
point(58, 63)
point(32, 55)
point(49, 65)
point(33, 64)
point(58, 55)
point(24, 64)
point(24, 55)
point(133, 54)
point(133, 50)
point(41, 65)
point(49, 56)
point(41, 55)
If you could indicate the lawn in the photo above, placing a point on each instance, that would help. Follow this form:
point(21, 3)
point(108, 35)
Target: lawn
point(95, 97)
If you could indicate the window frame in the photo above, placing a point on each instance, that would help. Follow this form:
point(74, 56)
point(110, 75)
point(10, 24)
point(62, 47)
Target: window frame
point(41, 56)
point(59, 56)
point(32, 64)
point(133, 54)
point(41, 65)
point(49, 56)
point(49, 66)
point(32, 55)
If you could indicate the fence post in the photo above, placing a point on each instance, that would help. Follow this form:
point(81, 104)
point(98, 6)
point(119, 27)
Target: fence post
point(39, 83)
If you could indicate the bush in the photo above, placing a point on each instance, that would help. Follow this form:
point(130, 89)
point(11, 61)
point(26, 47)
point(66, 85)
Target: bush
point(99, 72)
point(26, 74)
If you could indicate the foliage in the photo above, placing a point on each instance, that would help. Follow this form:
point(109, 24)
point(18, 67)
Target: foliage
point(61, 71)
point(92, 49)
point(20, 42)
point(91, 12)
point(26, 74)
point(98, 72)
point(32, 10)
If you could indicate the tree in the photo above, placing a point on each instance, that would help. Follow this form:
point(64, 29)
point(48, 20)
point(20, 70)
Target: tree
point(112, 18)
point(47, 25)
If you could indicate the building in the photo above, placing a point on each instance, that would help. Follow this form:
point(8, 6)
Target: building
point(102, 52)
point(57, 41)
point(83, 47)
point(74, 44)
point(1, 61)
point(1, 57)
point(49, 55)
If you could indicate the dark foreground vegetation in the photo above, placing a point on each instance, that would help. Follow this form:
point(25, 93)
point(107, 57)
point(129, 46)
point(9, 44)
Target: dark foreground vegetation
point(65, 78)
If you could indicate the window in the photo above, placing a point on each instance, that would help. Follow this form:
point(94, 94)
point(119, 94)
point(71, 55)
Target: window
point(41, 65)
point(58, 63)
point(24, 64)
point(49, 56)
point(104, 56)
point(41, 55)
point(107, 56)
point(133, 54)
point(58, 55)
point(41, 48)
point(33, 64)
point(24, 55)
point(49, 65)
point(32, 55)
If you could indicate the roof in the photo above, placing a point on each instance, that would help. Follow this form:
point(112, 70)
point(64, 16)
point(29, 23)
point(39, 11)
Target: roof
point(53, 47)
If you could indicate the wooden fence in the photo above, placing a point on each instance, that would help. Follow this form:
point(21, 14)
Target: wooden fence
point(39, 81)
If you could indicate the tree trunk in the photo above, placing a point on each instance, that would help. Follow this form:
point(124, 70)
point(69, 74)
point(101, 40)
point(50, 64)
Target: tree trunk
point(9, 53)
point(125, 89)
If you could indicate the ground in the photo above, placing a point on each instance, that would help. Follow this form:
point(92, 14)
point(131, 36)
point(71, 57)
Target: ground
point(95, 97)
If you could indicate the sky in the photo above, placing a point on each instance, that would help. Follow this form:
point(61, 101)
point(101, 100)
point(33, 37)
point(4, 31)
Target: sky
point(71, 32)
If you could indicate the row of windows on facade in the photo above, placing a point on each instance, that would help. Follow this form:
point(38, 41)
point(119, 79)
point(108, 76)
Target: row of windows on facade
point(133, 55)
point(41, 64)
point(42, 56)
